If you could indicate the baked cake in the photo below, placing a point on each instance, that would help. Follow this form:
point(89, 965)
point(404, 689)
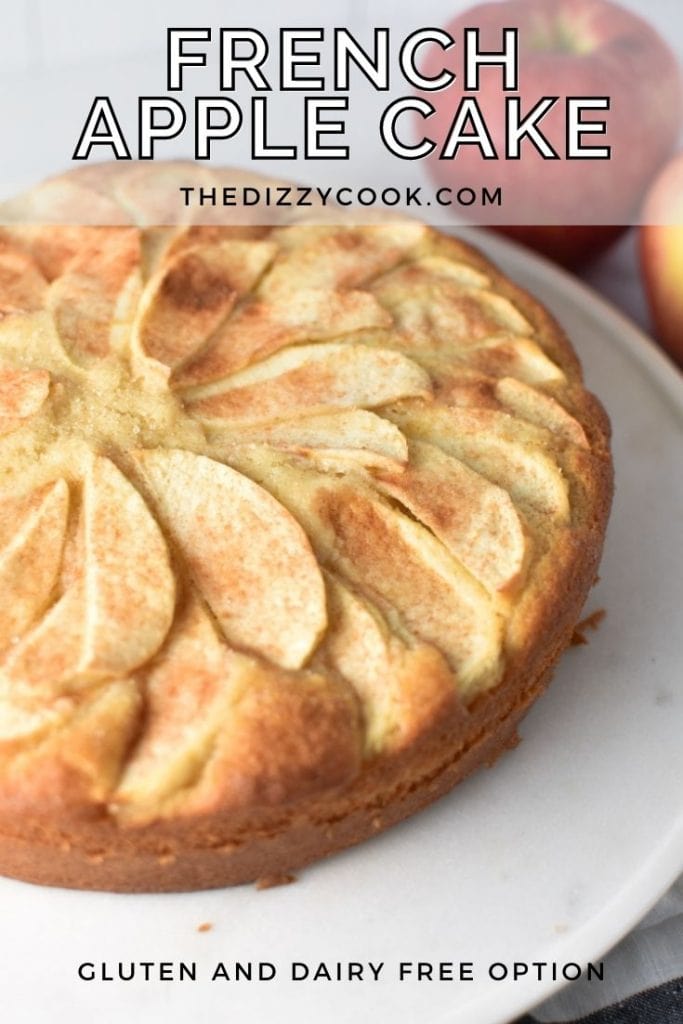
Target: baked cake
point(295, 522)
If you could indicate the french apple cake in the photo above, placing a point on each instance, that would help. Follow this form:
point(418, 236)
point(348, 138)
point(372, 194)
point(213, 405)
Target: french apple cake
point(295, 521)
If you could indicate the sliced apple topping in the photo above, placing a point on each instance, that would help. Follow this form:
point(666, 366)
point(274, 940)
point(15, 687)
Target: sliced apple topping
point(354, 438)
point(332, 258)
point(33, 530)
point(289, 737)
point(22, 393)
point(50, 654)
point(407, 570)
point(24, 721)
point(89, 297)
point(244, 551)
point(456, 270)
point(59, 205)
point(403, 234)
point(312, 378)
point(199, 235)
point(117, 612)
point(223, 728)
point(521, 358)
point(94, 742)
point(185, 301)
point(128, 580)
point(262, 327)
point(403, 689)
point(188, 692)
point(22, 286)
point(489, 443)
point(69, 754)
point(51, 247)
point(505, 312)
point(537, 407)
point(460, 385)
point(474, 518)
point(439, 311)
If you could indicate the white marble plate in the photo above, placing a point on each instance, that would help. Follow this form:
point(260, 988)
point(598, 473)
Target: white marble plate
point(550, 856)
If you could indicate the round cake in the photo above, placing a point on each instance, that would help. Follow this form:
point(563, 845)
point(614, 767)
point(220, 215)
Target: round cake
point(295, 522)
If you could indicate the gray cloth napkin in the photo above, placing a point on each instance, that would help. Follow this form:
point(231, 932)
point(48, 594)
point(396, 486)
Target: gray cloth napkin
point(661, 1005)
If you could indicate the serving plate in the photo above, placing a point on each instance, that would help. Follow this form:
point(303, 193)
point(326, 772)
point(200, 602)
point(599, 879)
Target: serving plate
point(548, 858)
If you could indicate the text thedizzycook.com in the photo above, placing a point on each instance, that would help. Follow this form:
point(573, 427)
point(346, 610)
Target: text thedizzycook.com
point(340, 971)
point(269, 196)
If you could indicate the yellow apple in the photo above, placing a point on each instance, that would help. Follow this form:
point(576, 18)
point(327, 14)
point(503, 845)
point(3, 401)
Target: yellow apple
point(661, 255)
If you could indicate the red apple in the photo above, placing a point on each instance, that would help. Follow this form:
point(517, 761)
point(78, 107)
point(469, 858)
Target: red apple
point(570, 209)
point(661, 255)
point(571, 245)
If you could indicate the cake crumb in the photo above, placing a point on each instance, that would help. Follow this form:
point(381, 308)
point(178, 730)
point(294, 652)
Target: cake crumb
point(591, 621)
point(206, 926)
point(270, 881)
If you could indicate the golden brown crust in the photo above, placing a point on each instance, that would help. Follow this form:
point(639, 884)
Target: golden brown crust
point(323, 505)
